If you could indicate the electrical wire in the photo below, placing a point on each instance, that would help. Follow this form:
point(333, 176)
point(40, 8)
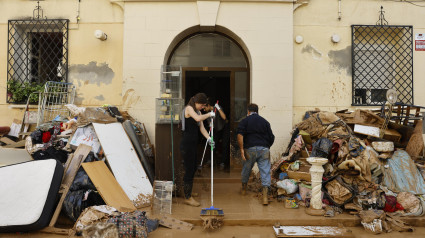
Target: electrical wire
point(410, 2)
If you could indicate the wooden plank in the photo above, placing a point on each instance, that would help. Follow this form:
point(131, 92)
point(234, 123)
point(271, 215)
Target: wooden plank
point(18, 144)
point(54, 230)
point(124, 163)
point(13, 156)
point(70, 172)
point(175, 223)
point(7, 141)
point(108, 187)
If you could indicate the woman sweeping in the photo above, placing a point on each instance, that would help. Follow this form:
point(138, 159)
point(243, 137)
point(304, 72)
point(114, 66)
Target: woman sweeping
point(191, 122)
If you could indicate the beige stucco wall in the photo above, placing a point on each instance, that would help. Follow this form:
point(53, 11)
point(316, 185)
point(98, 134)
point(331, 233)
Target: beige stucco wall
point(265, 29)
point(95, 66)
point(322, 69)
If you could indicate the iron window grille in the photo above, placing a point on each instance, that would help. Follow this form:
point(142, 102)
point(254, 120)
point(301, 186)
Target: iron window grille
point(382, 58)
point(37, 53)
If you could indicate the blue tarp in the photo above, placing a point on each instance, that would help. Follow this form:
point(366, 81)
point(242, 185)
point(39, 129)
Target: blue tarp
point(402, 175)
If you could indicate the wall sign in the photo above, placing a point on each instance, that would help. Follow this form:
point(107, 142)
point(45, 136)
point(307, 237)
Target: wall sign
point(420, 42)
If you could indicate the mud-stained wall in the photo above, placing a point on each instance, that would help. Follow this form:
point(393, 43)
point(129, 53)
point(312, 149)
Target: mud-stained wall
point(322, 69)
point(95, 67)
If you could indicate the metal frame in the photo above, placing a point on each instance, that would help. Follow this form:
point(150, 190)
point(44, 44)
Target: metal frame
point(37, 52)
point(53, 100)
point(382, 58)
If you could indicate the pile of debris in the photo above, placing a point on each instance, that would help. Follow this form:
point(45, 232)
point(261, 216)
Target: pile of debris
point(375, 167)
point(99, 164)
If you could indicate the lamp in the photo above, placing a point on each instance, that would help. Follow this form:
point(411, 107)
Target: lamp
point(100, 35)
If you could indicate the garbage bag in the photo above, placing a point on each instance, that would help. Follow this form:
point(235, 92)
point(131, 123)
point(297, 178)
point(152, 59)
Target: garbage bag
point(321, 148)
point(76, 201)
point(289, 185)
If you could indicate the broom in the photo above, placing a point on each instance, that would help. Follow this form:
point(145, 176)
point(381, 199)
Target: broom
point(212, 217)
point(205, 148)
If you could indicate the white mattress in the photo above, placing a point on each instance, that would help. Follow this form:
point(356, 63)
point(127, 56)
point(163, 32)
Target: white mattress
point(24, 190)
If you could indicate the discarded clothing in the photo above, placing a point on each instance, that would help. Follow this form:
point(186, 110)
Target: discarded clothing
point(131, 225)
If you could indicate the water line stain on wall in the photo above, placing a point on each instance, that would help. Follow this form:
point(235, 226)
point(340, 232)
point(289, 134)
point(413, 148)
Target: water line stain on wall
point(341, 60)
point(313, 51)
point(91, 73)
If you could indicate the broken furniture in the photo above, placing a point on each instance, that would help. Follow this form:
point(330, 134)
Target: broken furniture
point(124, 163)
point(28, 194)
point(316, 172)
point(71, 167)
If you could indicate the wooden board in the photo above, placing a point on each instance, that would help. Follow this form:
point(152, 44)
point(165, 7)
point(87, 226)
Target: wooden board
point(310, 231)
point(7, 141)
point(18, 144)
point(108, 187)
point(13, 156)
point(175, 223)
point(69, 175)
point(124, 163)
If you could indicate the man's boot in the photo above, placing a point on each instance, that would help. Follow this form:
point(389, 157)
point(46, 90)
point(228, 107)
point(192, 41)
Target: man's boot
point(243, 190)
point(265, 196)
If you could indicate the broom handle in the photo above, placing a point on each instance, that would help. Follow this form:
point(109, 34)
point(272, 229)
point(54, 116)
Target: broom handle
point(212, 162)
point(212, 159)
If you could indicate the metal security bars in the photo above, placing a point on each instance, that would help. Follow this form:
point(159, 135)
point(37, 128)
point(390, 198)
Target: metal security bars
point(37, 53)
point(382, 58)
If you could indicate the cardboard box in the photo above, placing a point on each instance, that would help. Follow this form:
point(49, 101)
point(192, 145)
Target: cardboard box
point(305, 176)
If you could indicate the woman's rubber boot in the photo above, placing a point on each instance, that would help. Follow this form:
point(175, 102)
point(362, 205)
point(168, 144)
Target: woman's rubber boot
point(243, 190)
point(265, 196)
point(192, 202)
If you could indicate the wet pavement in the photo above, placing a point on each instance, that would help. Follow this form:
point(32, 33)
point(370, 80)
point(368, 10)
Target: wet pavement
point(236, 232)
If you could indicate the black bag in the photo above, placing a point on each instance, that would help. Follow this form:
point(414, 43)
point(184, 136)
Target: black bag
point(321, 148)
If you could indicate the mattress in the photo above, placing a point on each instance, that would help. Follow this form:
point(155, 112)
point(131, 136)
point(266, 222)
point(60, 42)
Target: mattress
point(28, 194)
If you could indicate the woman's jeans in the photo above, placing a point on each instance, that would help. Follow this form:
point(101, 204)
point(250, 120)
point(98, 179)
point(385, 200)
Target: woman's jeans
point(261, 155)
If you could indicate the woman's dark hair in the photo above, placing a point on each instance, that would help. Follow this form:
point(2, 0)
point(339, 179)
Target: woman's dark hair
point(200, 98)
point(211, 102)
point(253, 107)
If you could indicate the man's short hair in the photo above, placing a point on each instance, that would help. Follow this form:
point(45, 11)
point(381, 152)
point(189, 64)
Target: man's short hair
point(253, 107)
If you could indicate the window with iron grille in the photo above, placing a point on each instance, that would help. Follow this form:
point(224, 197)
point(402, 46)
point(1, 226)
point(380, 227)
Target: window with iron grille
point(37, 53)
point(382, 58)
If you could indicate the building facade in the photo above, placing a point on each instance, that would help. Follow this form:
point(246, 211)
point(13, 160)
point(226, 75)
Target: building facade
point(287, 56)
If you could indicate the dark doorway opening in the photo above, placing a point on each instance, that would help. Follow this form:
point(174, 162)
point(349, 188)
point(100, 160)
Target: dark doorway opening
point(216, 85)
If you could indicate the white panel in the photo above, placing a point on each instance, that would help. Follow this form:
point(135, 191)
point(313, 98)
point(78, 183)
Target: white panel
point(124, 163)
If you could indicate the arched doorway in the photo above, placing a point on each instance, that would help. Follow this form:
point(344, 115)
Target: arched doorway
point(215, 64)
